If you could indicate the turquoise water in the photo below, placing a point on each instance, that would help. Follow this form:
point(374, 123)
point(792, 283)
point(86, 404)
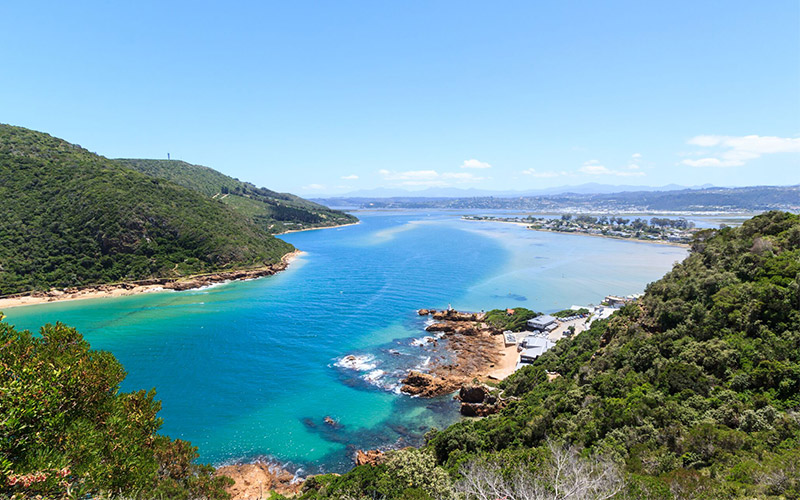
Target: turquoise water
point(250, 369)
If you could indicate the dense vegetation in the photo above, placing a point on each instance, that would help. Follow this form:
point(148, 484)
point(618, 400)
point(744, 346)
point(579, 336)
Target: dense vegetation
point(692, 392)
point(274, 212)
point(67, 432)
point(516, 321)
point(70, 218)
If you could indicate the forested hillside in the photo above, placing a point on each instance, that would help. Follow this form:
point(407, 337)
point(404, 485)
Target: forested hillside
point(275, 212)
point(693, 392)
point(69, 218)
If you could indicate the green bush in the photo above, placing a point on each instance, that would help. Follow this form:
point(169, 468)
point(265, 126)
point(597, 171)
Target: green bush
point(67, 431)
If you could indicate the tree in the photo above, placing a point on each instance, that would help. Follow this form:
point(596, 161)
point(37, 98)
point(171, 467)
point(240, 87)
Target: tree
point(65, 429)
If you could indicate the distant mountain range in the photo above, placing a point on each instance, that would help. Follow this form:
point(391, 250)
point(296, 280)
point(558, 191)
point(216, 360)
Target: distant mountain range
point(702, 199)
point(436, 192)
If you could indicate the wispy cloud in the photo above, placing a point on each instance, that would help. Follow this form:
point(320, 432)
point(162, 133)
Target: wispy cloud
point(313, 187)
point(350, 177)
point(593, 167)
point(731, 151)
point(428, 177)
point(473, 163)
point(542, 175)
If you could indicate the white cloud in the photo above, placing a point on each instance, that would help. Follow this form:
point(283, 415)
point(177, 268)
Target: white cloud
point(313, 187)
point(473, 163)
point(636, 156)
point(350, 177)
point(542, 175)
point(592, 167)
point(736, 151)
point(429, 177)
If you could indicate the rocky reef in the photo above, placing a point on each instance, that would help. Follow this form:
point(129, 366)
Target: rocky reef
point(472, 349)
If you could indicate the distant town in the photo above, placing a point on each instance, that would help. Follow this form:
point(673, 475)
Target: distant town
point(657, 229)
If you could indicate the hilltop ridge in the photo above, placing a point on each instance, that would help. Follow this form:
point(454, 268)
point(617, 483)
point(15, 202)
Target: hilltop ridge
point(274, 212)
point(72, 218)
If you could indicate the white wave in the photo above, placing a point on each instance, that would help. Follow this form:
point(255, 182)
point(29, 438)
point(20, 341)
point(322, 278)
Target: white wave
point(209, 286)
point(361, 363)
point(424, 340)
point(374, 376)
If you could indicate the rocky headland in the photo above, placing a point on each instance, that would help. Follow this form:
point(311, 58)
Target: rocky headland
point(471, 350)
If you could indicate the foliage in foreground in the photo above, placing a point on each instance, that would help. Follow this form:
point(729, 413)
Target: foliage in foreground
point(693, 392)
point(67, 432)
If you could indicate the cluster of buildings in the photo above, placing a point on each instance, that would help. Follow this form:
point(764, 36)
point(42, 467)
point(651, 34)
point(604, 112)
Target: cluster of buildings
point(537, 338)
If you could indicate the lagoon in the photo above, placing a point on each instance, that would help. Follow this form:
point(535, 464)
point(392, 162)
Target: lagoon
point(249, 370)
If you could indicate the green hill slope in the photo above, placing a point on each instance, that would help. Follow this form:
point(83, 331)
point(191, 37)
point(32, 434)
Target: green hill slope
point(275, 212)
point(693, 392)
point(69, 217)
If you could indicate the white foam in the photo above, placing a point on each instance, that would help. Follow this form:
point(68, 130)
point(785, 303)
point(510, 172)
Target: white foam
point(361, 363)
point(421, 342)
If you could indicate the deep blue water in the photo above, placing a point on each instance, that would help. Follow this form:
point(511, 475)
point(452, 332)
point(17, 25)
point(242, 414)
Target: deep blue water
point(250, 369)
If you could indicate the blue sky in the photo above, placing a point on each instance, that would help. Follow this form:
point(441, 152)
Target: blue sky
point(331, 97)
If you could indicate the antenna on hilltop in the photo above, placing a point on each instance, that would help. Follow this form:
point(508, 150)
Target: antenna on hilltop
point(168, 156)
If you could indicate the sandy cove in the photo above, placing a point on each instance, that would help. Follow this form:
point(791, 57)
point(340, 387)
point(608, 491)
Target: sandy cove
point(145, 286)
point(316, 228)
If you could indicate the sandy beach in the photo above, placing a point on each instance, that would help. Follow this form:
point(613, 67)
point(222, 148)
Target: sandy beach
point(317, 228)
point(124, 289)
point(509, 356)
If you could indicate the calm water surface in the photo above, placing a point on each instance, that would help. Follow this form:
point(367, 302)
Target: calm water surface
point(250, 369)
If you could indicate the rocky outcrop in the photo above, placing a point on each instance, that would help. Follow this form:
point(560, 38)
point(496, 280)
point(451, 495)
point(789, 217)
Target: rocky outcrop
point(423, 312)
point(369, 457)
point(481, 409)
point(453, 315)
point(473, 393)
point(478, 401)
point(209, 279)
point(427, 386)
point(256, 481)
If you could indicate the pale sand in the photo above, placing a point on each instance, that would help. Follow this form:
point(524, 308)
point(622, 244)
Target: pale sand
point(316, 228)
point(105, 291)
point(508, 360)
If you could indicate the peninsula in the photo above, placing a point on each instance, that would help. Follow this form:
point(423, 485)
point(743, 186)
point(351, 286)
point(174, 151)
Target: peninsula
point(656, 230)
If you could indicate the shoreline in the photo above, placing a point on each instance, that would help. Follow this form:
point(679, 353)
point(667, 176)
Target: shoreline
point(580, 233)
point(148, 286)
point(317, 228)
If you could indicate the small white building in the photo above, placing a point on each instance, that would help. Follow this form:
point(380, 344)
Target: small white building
point(534, 347)
point(543, 323)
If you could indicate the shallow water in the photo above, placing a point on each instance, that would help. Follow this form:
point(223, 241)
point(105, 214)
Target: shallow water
point(251, 369)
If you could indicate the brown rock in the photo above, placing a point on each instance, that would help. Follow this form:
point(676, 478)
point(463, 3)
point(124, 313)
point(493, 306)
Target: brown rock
point(423, 312)
point(427, 386)
point(473, 394)
point(255, 481)
point(481, 410)
point(369, 457)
